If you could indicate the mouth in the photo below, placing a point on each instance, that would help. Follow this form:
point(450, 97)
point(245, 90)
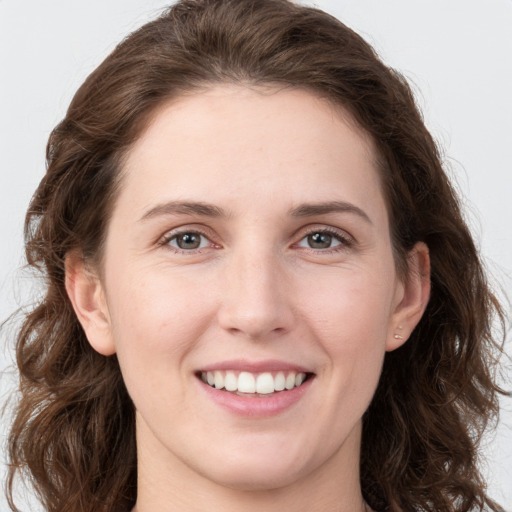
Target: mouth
point(257, 385)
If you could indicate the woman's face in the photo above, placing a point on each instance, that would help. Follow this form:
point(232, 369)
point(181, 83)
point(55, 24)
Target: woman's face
point(249, 247)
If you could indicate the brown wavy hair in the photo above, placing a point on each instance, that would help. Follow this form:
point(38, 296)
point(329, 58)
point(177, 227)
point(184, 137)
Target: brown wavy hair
point(73, 435)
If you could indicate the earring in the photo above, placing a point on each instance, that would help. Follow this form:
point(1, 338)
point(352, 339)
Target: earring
point(398, 336)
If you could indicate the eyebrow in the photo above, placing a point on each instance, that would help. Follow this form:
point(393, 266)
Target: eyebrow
point(210, 210)
point(312, 209)
point(184, 208)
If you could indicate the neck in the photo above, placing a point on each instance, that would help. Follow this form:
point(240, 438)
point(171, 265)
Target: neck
point(170, 485)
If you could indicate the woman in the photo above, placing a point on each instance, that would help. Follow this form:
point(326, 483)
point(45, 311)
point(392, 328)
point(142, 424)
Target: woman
point(261, 292)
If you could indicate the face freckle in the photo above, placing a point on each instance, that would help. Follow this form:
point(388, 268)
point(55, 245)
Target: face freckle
point(250, 237)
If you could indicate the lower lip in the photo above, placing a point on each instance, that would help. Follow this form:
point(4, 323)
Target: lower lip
point(258, 406)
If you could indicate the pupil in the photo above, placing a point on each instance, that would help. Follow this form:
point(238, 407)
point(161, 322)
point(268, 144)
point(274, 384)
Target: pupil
point(319, 240)
point(188, 241)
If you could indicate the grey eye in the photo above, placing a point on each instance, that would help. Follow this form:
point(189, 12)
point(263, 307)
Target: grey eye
point(319, 240)
point(188, 241)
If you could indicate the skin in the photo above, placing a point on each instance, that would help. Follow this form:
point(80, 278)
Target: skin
point(256, 290)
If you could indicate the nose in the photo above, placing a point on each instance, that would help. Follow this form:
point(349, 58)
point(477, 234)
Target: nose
point(256, 299)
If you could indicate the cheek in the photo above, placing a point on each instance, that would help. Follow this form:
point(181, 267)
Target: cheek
point(154, 315)
point(351, 306)
point(156, 323)
point(350, 317)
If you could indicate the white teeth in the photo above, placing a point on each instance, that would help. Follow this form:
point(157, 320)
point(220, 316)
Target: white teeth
point(231, 382)
point(265, 383)
point(280, 382)
point(290, 381)
point(246, 383)
point(219, 380)
point(262, 383)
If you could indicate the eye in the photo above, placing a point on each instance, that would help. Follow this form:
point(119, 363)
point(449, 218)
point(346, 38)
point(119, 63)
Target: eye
point(322, 239)
point(187, 241)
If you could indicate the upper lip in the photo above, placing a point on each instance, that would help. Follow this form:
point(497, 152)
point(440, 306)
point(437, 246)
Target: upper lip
point(267, 365)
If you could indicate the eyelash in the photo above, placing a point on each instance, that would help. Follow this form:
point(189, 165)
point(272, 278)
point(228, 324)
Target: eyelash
point(345, 241)
point(168, 238)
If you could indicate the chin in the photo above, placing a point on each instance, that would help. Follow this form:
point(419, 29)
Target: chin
point(259, 473)
point(258, 479)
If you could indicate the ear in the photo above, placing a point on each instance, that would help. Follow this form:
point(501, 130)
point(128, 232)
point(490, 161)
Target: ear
point(412, 297)
point(87, 296)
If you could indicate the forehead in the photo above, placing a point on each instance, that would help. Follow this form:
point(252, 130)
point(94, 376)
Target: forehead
point(231, 142)
point(224, 108)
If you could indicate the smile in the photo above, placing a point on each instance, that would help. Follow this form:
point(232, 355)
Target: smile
point(248, 383)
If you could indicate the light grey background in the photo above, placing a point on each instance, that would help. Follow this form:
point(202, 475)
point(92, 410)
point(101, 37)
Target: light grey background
point(457, 53)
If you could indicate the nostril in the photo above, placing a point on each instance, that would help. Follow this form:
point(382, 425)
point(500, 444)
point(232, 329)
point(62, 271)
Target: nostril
point(255, 313)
